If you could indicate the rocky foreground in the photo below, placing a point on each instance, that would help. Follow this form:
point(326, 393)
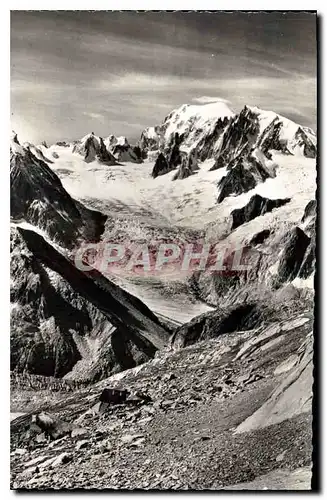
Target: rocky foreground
point(228, 413)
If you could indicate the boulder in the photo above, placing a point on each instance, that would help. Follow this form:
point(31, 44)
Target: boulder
point(51, 426)
point(113, 396)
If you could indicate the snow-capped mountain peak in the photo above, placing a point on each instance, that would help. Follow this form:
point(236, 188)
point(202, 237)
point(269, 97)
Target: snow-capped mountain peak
point(215, 131)
point(192, 121)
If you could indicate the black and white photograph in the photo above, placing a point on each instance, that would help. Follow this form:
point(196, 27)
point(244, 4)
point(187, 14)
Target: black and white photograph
point(163, 220)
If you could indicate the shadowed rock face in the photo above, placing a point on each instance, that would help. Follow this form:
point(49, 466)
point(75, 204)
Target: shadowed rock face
point(125, 152)
point(38, 197)
point(271, 140)
point(62, 316)
point(239, 136)
point(161, 166)
point(310, 210)
point(243, 174)
point(254, 208)
point(215, 323)
point(238, 180)
point(91, 148)
point(309, 261)
point(175, 156)
point(309, 219)
point(103, 155)
point(309, 148)
point(293, 255)
point(260, 237)
point(188, 167)
point(207, 144)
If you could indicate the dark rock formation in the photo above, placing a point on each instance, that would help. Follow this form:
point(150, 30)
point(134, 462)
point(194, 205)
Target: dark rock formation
point(212, 324)
point(188, 167)
point(138, 152)
point(125, 152)
point(103, 155)
point(175, 156)
point(238, 138)
point(113, 396)
point(303, 140)
point(38, 197)
point(207, 144)
point(271, 138)
point(310, 210)
point(293, 255)
point(310, 150)
point(161, 166)
point(238, 180)
point(254, 208)
point(63, 316)
point(244, 173)
point(309, 261)
point(260, 237)
point(90, 148)
point(149, 141)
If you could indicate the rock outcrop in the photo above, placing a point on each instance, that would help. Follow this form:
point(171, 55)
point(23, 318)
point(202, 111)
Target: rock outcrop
point(91, 148)
point(38, 198)
point(127, 153)
point(293, 255)
point(103, 155)
point(257, 206)
point(65, 319)
point(188, 166)
point(243, 174)
point(161, 166)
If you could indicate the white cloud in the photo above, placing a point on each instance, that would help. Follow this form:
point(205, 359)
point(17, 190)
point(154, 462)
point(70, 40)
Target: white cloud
point(206, 99)
point(96, 116)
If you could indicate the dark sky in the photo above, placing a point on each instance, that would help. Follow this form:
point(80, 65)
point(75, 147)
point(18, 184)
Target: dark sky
point(73, 72)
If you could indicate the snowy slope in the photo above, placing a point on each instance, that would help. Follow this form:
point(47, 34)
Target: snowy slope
point(146, 208)
point(143, 208)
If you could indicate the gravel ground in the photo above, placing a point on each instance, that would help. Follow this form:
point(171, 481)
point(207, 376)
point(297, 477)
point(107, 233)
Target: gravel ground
point(184, 437)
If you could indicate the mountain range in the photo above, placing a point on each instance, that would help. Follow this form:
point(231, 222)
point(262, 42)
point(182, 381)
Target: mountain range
point(205, 174)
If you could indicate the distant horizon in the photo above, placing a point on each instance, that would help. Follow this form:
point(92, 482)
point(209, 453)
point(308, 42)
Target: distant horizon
point(73, 72)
